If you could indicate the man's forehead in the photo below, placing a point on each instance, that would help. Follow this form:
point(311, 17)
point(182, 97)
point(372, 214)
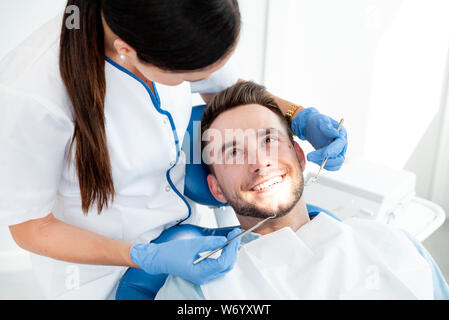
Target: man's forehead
point(245, 117)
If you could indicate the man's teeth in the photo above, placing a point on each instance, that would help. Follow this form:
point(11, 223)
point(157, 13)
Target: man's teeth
point(267, 184)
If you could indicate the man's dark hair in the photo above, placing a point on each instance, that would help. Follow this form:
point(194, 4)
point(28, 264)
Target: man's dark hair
point(241, 94)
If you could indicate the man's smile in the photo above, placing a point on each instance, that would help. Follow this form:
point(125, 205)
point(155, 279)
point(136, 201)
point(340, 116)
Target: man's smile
point(268, 184)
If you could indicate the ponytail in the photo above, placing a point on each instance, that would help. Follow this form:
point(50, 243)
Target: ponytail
point(82, 65)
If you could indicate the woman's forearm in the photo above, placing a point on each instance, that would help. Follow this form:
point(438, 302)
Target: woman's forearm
point(284, 105)
point(53, 238)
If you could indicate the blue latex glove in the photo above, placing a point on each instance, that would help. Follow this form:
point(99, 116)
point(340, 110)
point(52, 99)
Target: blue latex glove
point(321, 131)
point(176, 257)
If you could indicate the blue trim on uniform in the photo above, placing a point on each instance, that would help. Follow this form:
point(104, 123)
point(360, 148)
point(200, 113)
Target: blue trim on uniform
point(157, 104)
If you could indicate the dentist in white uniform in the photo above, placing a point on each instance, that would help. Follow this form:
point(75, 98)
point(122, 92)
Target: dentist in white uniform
point(91, 127)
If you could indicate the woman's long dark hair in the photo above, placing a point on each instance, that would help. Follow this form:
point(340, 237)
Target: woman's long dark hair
point(174, 35)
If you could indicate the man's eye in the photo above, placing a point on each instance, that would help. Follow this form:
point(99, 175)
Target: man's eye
point(233, 153)
point(270, 139)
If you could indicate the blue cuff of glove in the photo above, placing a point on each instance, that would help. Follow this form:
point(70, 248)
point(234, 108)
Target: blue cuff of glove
point(299, 124)
point(142, 254)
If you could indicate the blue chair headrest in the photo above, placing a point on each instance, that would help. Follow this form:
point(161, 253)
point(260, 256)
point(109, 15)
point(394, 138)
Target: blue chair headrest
point(196, 187)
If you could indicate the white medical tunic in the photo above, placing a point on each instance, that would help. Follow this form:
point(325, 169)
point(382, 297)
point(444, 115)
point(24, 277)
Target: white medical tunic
point(144, 135)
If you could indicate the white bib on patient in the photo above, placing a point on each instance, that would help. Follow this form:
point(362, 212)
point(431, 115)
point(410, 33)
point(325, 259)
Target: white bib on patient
point(327, 259)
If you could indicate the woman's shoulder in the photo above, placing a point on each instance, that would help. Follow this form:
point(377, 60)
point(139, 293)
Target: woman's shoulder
point(39, 50)
point(29, 74)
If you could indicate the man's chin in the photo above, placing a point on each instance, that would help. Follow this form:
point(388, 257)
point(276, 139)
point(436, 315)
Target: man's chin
point(279, 204)
point(280, 200)
point(268, 206)
point(256, 211)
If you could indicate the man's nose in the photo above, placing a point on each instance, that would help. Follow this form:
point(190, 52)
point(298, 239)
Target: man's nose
point(261, 164)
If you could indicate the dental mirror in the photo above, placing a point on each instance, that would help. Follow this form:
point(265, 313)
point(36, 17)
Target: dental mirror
point(274, 203)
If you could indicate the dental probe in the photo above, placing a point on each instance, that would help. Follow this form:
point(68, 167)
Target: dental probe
point(236, 237)
point(312, 180)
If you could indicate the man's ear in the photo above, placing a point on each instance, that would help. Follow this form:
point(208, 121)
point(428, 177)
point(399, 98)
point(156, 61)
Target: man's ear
point(215, 189)
point(300, 154)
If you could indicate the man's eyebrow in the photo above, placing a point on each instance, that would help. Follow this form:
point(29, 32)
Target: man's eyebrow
point(268, 131)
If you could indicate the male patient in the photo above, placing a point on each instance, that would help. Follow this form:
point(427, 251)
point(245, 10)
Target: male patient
point(292, 256)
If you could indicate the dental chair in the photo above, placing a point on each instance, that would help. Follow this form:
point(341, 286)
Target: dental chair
point(136, 284)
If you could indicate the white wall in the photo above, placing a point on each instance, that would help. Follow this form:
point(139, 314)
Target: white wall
point(440, 183)
point(250, 53)
point(249, 57)
point(19, 18)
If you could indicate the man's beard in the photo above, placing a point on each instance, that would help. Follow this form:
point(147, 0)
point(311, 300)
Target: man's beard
point(244, 208)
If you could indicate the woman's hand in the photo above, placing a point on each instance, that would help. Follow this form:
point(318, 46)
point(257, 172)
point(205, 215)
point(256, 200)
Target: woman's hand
point(176, 257)
point(321, 131)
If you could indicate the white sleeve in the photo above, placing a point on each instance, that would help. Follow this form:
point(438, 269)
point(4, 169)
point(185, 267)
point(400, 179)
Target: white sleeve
point(219, 81)
point(33, 143)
